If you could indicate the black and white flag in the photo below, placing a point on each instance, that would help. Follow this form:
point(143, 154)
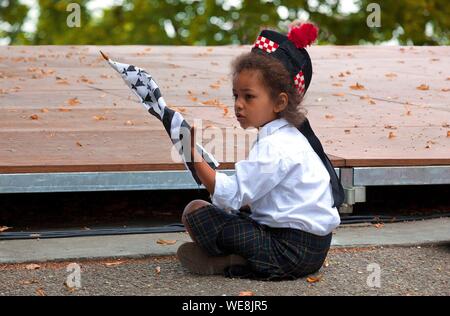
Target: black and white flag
point(143, 85)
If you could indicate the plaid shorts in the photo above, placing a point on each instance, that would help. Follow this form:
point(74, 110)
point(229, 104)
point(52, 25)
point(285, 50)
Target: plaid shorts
point(272, 253)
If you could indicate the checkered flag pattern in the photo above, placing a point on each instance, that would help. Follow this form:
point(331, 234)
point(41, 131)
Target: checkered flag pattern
point(143, 85)
point(266, 44)
point(299, 82)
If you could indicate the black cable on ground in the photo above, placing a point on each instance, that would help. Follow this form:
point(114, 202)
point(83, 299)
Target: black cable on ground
point(178, 227)
point(387, 218)
point(173, 228)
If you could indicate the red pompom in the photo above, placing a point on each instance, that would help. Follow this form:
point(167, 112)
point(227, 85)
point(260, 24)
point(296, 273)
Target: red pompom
point(303, 35)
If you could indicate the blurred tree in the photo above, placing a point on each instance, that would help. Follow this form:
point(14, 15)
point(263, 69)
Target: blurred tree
point(418, 22)
point(52, 26)
point(12, 18)
point(217, 22)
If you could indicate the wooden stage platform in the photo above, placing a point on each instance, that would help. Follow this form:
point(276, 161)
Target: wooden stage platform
point(63, 109)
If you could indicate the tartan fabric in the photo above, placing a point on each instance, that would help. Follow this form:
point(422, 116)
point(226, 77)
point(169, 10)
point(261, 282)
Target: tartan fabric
point(272, 253)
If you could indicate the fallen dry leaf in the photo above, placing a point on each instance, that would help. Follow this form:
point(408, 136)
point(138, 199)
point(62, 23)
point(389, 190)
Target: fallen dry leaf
point(357, 86)
point(448, 133)
point(28, 282)
point(32, 266)
point(79, 144)
point(62, 81)
point(423, 87)
point(214, 86)
point(340, 94)
point(4, 228)
point(329, 116)
point(86, 80)
point(99, 118)
point(372, 102)
point(140, 54)
point(391, 75)
point(166, 242)
point(64, 110)
point(129, 123)
point(445, 89)
point(351, 250)
point(225, 111)
point(347, 131)
point(40, 292)
point(391, 135)
point(69, 288)
point(387, 126)
point(34, 117)
point(246, 293)
point(337, 84)
point(214, 102)
point(73, 101)
point(44, 110)
point(113, 264)
point(313, 279)
point(378, 225)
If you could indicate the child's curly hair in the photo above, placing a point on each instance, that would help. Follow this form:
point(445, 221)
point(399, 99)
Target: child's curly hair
point(277, 80)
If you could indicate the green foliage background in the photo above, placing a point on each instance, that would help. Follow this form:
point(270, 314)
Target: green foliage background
point(213, 22)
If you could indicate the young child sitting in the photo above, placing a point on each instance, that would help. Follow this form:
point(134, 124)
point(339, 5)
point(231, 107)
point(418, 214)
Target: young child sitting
point(284, 183)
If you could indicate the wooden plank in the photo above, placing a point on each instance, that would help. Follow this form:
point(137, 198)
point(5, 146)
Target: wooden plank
point(109, 150)
point(117, 134)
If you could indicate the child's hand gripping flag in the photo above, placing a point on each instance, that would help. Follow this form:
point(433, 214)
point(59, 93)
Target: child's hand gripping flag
point(143, 85)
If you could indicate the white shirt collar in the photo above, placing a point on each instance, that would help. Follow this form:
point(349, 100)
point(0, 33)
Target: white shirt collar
point(271, 127)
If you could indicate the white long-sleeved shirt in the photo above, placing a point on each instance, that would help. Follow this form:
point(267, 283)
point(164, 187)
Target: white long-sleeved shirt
point(283, 181)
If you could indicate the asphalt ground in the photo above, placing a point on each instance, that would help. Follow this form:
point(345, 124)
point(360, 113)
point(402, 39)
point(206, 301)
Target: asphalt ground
point(405, 271)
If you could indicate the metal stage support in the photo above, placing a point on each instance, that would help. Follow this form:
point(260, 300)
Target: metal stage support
point(355, 180)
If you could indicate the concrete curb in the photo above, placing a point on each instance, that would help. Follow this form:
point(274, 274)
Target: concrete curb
point(435, 231)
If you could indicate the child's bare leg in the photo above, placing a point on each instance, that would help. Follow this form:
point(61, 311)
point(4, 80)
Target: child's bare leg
point(191, 208)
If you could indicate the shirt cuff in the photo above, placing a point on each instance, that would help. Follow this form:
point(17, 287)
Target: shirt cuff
point(224, 191)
